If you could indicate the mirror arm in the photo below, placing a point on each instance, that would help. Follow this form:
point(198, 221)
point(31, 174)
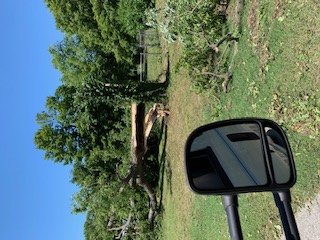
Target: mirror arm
point(283, 201)
point(230, 203)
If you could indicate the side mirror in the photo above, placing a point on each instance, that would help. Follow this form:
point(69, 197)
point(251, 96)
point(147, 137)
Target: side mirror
point(238, 156)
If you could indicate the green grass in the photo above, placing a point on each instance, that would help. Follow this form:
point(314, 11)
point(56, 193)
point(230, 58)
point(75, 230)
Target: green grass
point(154, 58)
point(289, 84)
point(276, 76)
point(205, 209)
point(154, 63)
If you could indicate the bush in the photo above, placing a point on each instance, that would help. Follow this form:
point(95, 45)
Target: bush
point(131, 15)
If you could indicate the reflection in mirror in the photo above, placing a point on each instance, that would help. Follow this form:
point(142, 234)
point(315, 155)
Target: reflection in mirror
point(279, 156)
point(228, 157)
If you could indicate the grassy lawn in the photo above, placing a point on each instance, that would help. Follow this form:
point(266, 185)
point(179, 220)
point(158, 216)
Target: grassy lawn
point(276, 75)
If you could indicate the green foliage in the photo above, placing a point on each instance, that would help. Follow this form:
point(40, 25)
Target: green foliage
point(77, 120)
point(88, 127)
point(131, 15)
point(87, 122)
point(198, 26)
point(287, 94)
point(108, 25)
point(298, 113)
point(191, 20)
point(77, 63)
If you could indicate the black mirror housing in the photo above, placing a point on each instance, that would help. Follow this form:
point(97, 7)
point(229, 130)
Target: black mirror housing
point(239, 156)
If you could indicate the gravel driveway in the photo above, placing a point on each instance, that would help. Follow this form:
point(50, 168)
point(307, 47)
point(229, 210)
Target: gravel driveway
point(308, 220)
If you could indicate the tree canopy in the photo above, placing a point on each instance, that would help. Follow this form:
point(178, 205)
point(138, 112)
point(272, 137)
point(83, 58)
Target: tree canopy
point(86, 123)
point(109, 25)
point(84, 128)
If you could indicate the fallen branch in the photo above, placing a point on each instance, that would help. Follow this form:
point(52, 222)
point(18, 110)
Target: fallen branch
point(152, 198)
point(235, 51)
point(227, 80)
point(222, 54)
point(123, 228)
point(214, 47)
point(216, 75)
point(196, 6)
point(191, 11)
point(224, 38)
point(131, 173)
point(141, 128)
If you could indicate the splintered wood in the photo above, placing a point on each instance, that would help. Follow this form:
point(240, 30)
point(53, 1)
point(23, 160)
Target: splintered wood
point(142, 126)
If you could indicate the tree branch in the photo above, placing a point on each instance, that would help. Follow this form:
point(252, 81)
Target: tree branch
point(152, 197)
point(131, 173)
point(191, 11)
point(222, 54)
point(224, 38)
point(123, 227)
point(216, 75)
point(227, 80)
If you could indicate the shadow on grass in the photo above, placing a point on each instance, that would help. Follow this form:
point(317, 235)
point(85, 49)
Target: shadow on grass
point(158, 168)
point(165, 169)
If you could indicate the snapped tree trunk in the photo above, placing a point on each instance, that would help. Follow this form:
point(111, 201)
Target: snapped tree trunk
point(138, 150)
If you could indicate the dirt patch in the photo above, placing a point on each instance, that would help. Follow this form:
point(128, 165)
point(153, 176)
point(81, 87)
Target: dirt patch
point(259, 44)
point(279, 9)
point(253, 23)
point(264, 57)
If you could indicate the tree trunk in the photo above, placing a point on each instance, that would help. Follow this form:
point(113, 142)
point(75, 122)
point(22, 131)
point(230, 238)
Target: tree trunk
point(152, 197)
point(138, 150)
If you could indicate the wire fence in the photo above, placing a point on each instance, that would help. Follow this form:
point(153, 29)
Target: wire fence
point(150, 55)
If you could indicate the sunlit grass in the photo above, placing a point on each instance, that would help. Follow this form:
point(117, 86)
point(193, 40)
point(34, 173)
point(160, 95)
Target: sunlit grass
point(282, 62)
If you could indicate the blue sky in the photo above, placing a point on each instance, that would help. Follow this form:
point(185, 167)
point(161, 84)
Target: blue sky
point(35, 200)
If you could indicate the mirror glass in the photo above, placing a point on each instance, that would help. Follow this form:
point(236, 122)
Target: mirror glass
point(228, 157)
point(239, 155)
point(279, 155)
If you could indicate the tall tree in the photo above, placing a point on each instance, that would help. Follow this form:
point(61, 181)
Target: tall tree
point(87, 128)
point(101, 24)
point(77, 120)
point(95, 69)
point(130, 14)
point(86, 123)
point(58, 134)
point(77, 63)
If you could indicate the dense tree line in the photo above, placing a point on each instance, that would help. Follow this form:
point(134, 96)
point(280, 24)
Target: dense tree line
point(110, 25)
point(86, 123)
